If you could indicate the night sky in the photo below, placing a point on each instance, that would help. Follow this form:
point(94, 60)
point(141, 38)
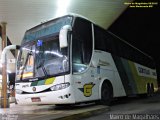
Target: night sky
point(141, 28)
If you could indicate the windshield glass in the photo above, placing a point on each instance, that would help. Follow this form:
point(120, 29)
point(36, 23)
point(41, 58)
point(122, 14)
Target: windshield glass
point(43, 58)
point(26, 62)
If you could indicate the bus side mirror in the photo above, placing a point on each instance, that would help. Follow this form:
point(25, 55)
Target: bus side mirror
point(63, 36)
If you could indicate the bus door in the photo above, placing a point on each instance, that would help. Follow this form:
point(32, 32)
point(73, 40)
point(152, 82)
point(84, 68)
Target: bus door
point(82, 50)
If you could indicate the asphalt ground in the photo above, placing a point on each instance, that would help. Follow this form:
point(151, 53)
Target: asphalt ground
point(51, 112)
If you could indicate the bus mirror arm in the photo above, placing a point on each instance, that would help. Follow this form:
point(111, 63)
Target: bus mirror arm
point(95, 63)
point(10, 47)
point(64, 64)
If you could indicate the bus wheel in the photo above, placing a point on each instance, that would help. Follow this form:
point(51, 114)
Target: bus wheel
point(106, 94)
point(16, 102)
point(152, 90)
point(62, 105)
point(148, 90)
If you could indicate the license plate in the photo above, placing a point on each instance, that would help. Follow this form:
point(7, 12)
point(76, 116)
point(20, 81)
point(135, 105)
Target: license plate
point(36, 99)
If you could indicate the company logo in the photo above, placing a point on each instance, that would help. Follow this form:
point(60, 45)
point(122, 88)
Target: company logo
point(34, 89)
point(87, 89)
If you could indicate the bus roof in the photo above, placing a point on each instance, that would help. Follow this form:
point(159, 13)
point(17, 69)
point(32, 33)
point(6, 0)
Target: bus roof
point(67, 15)
point(77, 15)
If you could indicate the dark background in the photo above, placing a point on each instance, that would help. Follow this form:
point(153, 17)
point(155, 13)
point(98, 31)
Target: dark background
point(141, 28)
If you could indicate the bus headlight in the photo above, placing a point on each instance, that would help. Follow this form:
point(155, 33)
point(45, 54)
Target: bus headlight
point(60, 86)
point(19, 91)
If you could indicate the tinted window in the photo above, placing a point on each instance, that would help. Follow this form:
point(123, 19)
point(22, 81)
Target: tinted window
point(81, 44)
point(108, 42)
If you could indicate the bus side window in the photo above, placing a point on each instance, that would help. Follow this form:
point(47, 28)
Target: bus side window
point(102, 40)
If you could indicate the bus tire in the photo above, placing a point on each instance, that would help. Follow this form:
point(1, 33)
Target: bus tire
point(106, 94)
point(152, 90)
point(63, 105)
point(148, 89)
point(16, 102)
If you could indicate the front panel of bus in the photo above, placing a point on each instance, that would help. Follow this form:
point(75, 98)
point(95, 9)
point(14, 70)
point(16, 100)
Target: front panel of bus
point(43, 68)
point(49, 74)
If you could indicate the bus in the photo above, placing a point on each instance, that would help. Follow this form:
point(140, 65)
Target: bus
point(71, 60)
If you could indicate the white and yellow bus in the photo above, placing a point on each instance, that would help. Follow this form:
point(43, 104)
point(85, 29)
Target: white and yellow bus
point(70, 60)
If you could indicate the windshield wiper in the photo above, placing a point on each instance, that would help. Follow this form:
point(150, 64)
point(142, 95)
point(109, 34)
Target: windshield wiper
point(41, 65)
point(25, 64)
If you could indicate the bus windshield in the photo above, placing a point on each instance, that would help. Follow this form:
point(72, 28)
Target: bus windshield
point(42, 58)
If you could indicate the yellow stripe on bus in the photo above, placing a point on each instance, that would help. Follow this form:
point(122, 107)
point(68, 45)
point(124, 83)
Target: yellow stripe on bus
point(49, 81)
